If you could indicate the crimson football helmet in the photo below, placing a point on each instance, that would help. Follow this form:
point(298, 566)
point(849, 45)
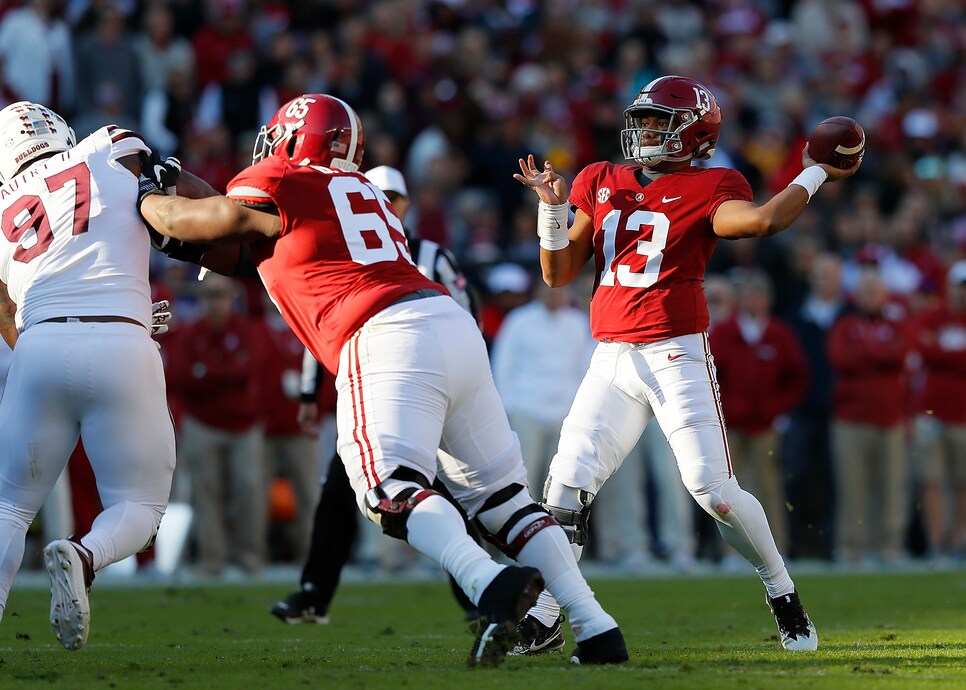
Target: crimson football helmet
point(313, 129)
point(29, 131)
point(694, 121)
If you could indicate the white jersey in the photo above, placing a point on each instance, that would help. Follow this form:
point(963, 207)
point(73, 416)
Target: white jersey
point(73, 243)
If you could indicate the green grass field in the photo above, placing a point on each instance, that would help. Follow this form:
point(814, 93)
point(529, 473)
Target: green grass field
point(714, 633)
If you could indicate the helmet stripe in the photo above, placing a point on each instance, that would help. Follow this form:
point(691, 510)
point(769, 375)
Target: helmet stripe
point(354, 132)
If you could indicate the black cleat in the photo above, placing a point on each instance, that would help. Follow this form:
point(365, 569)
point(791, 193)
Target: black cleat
point(797, 631)
point(537, 638)
point(605, 648)
point(303, 606)
point(504, 603)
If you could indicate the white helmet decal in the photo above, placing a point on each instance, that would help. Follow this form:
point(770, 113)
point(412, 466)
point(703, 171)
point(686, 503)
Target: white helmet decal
point(29, 131)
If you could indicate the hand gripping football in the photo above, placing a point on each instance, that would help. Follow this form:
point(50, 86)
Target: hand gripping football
point(838, 141)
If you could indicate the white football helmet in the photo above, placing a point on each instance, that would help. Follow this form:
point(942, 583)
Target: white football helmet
point(28, 131)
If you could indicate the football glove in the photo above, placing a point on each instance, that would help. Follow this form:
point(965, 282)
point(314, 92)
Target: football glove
point(164, 173)
point(160, 317)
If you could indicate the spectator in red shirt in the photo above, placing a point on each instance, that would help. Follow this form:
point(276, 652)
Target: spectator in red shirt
point(226, 33)
point(762, 374)
point(290, 453)
point(213, 367)
point(940, 429)
point(867, 351)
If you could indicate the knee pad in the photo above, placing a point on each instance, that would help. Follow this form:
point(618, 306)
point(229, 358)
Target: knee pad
point(392, 513)
point(504, 512)
point(575, 523)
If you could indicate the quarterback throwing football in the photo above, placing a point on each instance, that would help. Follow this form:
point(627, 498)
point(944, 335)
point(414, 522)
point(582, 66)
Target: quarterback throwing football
point(651, 227)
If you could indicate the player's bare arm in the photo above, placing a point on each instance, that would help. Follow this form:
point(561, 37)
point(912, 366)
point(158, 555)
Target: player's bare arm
point(736, 219)
point(8, 312)
point(193, 187)
point(563, 250)
point(215, 219)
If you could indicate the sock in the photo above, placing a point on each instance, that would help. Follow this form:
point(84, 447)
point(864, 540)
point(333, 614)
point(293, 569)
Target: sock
point(120, 531)
point(550, 551)
point(742, 523)
point(436, 530)
point(546, 610)
point(13, 530)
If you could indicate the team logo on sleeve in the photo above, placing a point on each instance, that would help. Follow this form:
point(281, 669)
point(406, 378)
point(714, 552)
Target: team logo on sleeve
point(603, 194)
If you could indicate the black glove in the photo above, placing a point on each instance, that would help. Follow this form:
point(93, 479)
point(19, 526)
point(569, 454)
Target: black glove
point(164, 173)
point(146, 187)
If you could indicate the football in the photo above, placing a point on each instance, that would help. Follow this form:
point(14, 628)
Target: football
point(838, 141)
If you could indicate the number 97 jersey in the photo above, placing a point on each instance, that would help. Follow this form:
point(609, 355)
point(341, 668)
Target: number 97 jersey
point(651, 246)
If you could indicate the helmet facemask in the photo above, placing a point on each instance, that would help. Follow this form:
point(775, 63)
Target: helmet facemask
point(671, 147)
point(268, 139)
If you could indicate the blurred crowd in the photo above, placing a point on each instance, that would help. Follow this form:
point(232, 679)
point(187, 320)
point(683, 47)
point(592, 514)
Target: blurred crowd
point(840, 344)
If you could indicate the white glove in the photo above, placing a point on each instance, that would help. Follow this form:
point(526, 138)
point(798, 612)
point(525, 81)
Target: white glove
point(160, 317)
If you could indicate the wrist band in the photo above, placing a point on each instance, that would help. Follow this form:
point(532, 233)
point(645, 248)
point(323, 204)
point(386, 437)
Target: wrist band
point(552, 225)
point(811, 178)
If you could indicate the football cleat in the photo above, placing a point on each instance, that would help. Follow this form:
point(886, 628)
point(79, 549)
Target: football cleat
point(605, 648)
point(303, 606)
point(537, 638)
point(798, 634)
point(504, 602)
point(71, 573)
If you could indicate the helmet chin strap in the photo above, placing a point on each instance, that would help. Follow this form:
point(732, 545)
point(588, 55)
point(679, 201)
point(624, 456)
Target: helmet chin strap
point(343, 164)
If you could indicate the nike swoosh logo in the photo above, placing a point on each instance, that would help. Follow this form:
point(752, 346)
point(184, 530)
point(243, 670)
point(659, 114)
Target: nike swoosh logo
point(669, 199)
point(557, 223)
point(158, 172)
point(671, 357)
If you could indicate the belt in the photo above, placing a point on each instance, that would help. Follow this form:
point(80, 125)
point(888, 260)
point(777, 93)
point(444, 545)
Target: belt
point(93, 319)
point(419, 294)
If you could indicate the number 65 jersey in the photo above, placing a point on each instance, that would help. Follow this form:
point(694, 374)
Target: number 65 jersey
point(73, 243)
point(341, 256)
point(651, 246)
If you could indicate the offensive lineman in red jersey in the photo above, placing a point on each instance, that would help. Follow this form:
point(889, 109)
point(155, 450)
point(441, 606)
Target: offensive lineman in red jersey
point(651, 228)
point(412, 368)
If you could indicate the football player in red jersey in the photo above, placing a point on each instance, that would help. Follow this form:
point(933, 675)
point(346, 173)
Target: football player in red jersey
point(650, 227)
point(411, 366)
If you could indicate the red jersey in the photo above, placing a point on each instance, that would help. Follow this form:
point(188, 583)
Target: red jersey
point(283, 371)
point(759, 381)
point(651, 246)
point(210, 372)
point(341, 255)
point(868, 355)
point(942, 344)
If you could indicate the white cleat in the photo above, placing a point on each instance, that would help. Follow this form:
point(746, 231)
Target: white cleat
point(797, 631)
point(70, 610)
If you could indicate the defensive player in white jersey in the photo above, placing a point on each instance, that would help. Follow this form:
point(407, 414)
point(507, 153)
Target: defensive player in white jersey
point(412, 368)
point(75, 307)
point(650, 227)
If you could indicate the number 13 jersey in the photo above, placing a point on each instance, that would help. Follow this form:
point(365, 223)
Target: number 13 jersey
point(651, 246)
point(340, 258)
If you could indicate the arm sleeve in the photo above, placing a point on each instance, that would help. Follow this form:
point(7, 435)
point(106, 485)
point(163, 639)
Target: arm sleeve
point(311, 378)
point(731, 186)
